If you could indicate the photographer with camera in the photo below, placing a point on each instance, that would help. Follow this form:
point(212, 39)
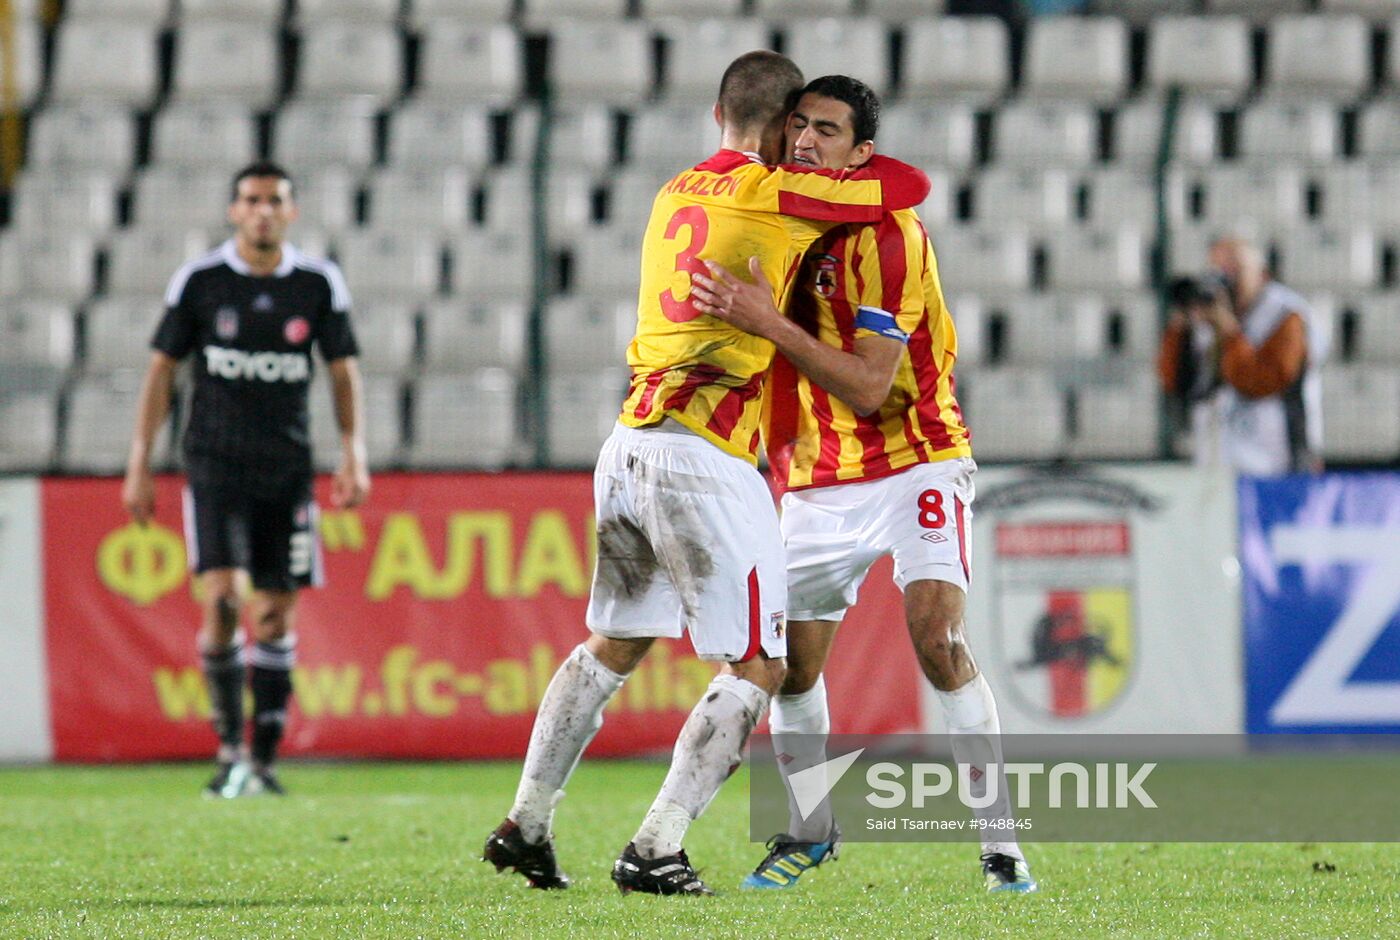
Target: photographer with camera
point(1243, 352)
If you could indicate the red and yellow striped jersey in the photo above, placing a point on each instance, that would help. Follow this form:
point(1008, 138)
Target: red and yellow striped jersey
point(696, 369)
point(859, 281)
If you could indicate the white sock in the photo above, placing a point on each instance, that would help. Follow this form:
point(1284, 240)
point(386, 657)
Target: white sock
point(708, 750)
point(569, 717)
point(971, 715)
point(800, 725)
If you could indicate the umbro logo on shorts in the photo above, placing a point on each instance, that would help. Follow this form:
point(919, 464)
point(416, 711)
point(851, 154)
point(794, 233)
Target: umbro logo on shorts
point(934, 537)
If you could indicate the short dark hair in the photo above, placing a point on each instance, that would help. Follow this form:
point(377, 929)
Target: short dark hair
point(864, 103)
point(757, 89)
point(255, 169)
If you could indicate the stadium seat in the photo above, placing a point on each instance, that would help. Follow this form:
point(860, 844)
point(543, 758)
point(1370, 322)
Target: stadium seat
point(427, 135)
point(1119, 420)
point(697, 53)
point(1361, 193)
point(861, 44)
point(1099, 259)
point(1142, 12)
point(1119, 195)
point(383, 423)
point(101, 410)
point(582, 409)
point(795, 10)
point(1076, 58)
point(53, 264)
point(470, 62)
point(1319, 57)
point(569, 205)
point(1360, 412)
point(941, 134)
point(141, 261)
point(507, 199)
point(460, 11)
point(540, 14)
point(581, 334)
point(466, 334)
point(902, 11)
point(1378, 131)
point(1137, 133)
point(1189, 243)
point(1041, 133)
point(464, 420)
point(325, 198)
point(582, 137)
point(1203, 55)
point(668, 137)
point(117, 332)
point(607, 264)
point(213, 135)
point(313, 134)
point(1371, 9)
point(1048, 329)
point(150, 13)
point(1257, 11)
point(105, 62)
point(261, 12)
point(600, 61)
point(969, 315)
point(340, 58)
point(78, 202)
point(387, 333)
point(437, 201)
point(1131, 322)
point(28, 61)
point(393, 263)
point(1378, 328)
point(1024, 197)
point(235, 61)
point(972, 259)
point(36, 334)
point(965, 57)
point(28, 431)
point(1296, 130)
point(940, 206)
point(631, 194)
point(1269, 194)
point(1015, 413)
point(686, 9)
point(322, 13)
point(1321, 257)
point(181, 197)
point(493, 264)
point(82, 137)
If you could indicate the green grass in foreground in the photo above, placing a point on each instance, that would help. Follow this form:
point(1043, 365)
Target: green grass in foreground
point(391, 850)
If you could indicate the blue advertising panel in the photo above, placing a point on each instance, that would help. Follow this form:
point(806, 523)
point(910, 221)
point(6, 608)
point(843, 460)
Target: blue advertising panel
point(1321, 568)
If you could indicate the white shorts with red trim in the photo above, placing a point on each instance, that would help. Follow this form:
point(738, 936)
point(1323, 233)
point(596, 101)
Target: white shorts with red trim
point(688, 540)
point(833, 534)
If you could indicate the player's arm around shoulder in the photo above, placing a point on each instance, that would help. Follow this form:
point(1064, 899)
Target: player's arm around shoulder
point(881, 185)
point(350, 485)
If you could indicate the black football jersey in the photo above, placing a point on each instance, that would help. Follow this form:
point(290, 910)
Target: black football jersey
point(251, 340)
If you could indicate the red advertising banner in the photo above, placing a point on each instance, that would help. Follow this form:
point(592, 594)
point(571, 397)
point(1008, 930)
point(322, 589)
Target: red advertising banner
point(450, 600)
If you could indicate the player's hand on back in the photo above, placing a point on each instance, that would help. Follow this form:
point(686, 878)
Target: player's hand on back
point(139, 494)
point(350, 485)
point(747, 306)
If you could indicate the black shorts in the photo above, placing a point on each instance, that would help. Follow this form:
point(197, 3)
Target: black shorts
point(272, 536)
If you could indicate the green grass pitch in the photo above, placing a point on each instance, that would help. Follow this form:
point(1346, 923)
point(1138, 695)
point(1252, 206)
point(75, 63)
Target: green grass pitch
point(392, 850)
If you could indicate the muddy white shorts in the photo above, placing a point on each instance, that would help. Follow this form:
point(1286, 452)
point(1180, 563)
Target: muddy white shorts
point(687, 540)
point(833, 534)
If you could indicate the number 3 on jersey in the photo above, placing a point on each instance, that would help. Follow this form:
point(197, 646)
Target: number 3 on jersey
point(931, 514)
point(694, 219)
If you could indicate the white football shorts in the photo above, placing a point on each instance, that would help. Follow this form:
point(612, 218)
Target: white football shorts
point(833, 534)
point(687, 540)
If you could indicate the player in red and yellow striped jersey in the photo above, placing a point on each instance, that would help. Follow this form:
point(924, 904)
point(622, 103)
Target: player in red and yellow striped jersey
point(880, 464)
point(688, 538)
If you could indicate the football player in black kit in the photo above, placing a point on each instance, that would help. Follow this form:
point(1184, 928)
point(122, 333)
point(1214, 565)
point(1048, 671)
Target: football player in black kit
point(249, 312)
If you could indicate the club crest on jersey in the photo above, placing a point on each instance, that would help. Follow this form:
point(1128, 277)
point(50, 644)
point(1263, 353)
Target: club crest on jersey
point(297, 330)
point(825, 282)
point(263, 303)
point(226, 323)
point(779, 624)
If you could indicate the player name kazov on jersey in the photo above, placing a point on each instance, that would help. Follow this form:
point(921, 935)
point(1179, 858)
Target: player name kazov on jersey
point(262, 366)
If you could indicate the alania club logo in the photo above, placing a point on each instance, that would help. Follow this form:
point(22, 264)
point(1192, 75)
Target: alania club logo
point(825, 282)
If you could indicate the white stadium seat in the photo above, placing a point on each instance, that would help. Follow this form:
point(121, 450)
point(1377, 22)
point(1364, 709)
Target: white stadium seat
point(401, 265)
point(28, 61)
point(321, 13)
point(1046, 329)
point(152, 13)
point(492, 264)
point(569, 205)
point(460, 11)
point(1118, 420)
point(430, 135)
point(105, 61)
point(1361, 193)
point(420, 200)
point(940, 206)
point(971, 259)
point(588, 333)
point(386, 332)
point(1030, 198)
point(214, 135)
point(964, 57)
point(181, 197)
point(539, 14)
point(652, 9)
point(81, 202)
point(507, 198)
point(1015, 413)
point(669, 137)
point(1099, 259)
point(118, 331)
point(1258, 11)
point(632, 193)
point(697, 53)
point(95, 443)
point(36, 333)
point(793, 10)
point(1041, 133)
point(1078, 58)
point(607, 264)
point(583, 137)
point(1265, 193)
point(465, 62)
point(1120, 195)
point(28, 431)
point(1298, 130)
point(1190, 243)
point(82, 137)
point(261, 12)
point(902, 11)
point(1321, 257)
point(600, 61)
point(922, 133)
point(1360, 412)
point(466, 334)
point(581, 410)
point(1141, 12)
point(1203, 55)
point(339, 58)
point(1319, 56)
point(47, 264)
point(227, 60)
point(1371, 9)
point(862, 45)
point(1392, 62)
point(969, 314)
point(1378, 131)
point(1378, 328)
point(383, 423)
point(464, 420)
point(310, 134)
point(1137, 133)
point(325, 198)
point(141, 261)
